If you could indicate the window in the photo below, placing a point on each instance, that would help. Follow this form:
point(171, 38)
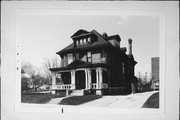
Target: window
point(70, 58)
point(96, 57)
point(81, 42)
point(89, 59)
point(88, 40)
point(65, 61)
point(77, 43)
point(84, 41)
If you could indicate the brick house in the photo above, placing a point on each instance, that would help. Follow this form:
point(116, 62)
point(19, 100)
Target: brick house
point(94, 64)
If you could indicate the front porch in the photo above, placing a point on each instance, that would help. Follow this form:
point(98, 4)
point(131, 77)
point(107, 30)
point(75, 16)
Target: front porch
point(95, 79)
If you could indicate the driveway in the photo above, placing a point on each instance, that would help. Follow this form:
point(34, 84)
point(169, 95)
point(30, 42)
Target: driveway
point(122, 101)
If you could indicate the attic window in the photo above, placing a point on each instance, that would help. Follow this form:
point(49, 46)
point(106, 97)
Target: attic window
point(84, 41)
point(81, 43)
point(77, 43)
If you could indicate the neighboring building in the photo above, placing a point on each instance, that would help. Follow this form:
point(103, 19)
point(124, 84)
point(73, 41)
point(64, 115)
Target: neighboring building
point(95, 64)
point(26, 81)
point(155, 72)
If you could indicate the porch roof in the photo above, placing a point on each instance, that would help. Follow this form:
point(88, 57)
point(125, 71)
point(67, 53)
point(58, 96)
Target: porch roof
point(79, 64)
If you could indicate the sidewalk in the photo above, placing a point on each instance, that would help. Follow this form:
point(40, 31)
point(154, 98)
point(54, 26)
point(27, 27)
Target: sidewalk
point(122, 101)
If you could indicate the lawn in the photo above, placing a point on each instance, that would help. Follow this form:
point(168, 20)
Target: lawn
point(39, 98)
point(77, 100)
point(152, 101)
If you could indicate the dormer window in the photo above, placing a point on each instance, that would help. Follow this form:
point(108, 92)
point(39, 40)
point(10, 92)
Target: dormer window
point(77, 43)
point(84, 41)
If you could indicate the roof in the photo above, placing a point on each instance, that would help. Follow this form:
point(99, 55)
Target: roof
point(101, 42)
point(80, 32)
point(79, 64)
point(123, 49)
point(116, 37)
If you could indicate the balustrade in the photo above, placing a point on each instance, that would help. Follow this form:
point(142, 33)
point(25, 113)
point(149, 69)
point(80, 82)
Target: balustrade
point(90, 85)
point(64, 86)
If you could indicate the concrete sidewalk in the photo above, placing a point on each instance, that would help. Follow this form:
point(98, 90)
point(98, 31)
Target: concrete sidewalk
point(55, 100)
point(122, 101)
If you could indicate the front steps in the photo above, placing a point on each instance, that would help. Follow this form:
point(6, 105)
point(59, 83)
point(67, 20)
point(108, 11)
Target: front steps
point(77, 93)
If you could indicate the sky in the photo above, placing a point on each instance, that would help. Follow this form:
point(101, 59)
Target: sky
point(44, 35)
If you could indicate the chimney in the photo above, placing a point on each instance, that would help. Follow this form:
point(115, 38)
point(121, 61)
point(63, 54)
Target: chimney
point(105, 35)
point(130, 46)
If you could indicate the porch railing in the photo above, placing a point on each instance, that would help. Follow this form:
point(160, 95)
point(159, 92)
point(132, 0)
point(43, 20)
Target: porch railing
point(61, 87)
point(99, 85)
point(71, 86)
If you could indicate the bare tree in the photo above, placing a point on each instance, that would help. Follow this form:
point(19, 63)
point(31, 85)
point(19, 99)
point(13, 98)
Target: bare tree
point(34, 76)
point(50, 63)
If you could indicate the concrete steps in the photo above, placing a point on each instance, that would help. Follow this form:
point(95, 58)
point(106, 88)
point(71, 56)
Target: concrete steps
point(77, 93)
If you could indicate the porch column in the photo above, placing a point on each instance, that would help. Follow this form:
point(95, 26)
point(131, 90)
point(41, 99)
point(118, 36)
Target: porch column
point(89, 78)
point(100, 78)
point(53, 74)
point(97, 78)
point(99, 81)
point(86, 79)
point(73, 79)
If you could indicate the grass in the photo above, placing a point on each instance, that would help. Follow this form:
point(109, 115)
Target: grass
point(39, 98)
point(152, 101)
point(77, 100)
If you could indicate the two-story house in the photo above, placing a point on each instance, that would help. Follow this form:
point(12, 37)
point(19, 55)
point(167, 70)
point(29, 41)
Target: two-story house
point(94, 64)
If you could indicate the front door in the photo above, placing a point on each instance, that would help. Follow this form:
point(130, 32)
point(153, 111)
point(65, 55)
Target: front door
point(80, 79)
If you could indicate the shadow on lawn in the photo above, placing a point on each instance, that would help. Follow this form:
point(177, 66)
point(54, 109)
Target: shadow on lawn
point(152, 101)
point(39, 98)
point(77, 100)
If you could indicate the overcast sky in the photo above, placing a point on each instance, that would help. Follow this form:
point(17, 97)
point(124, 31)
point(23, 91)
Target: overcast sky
point(44, 35)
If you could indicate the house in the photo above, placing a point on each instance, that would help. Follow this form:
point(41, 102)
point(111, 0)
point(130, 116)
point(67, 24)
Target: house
point(94, 64)
point(26, 81)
